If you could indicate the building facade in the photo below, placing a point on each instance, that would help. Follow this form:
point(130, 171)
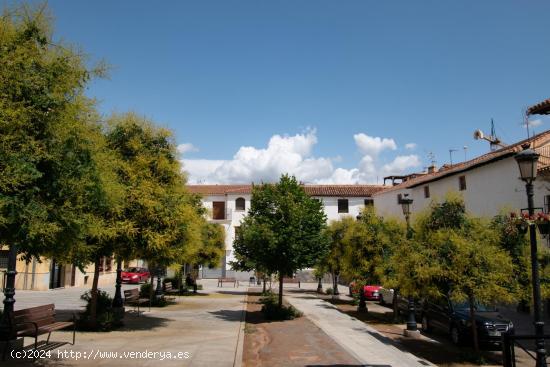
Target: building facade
point(227, 205)
point(489, 183)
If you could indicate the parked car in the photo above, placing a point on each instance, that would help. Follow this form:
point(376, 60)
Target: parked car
point(454, 319)
point(372, 292)
point(135, 275)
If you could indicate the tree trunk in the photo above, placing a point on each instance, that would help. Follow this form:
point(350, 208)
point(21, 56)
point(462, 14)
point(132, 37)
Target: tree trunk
point(473, 323)
point(264, 281)
point(93, 301)
point(280, 290)
point(395, 304)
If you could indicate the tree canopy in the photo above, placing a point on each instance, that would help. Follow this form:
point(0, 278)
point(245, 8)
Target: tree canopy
point(282, 232)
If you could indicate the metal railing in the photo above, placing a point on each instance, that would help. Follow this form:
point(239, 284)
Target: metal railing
point(509, 344)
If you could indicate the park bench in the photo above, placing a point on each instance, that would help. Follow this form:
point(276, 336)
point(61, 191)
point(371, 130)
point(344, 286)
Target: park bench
point(132, 298)
point(169, 291)
point(36, 321)
point(228, 280)
point(292, 281)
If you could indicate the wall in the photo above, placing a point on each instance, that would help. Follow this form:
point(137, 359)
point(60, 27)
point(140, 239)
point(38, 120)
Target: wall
point(489, 189)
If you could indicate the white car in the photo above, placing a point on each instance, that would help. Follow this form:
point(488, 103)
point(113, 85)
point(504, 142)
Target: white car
point(386, 296)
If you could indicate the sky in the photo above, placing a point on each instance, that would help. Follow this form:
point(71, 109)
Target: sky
point(330, 91)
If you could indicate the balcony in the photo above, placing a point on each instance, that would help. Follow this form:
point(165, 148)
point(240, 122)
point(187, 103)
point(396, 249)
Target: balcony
point(225, 216)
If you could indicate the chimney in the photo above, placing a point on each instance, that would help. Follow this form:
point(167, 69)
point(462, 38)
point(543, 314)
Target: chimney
point(432, 169)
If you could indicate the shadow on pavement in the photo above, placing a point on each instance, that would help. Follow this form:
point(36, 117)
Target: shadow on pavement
point(228, 315)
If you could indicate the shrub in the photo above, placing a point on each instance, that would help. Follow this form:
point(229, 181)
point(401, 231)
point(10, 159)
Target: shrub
point(272, 311)
point(329, 291)
point(106, 317)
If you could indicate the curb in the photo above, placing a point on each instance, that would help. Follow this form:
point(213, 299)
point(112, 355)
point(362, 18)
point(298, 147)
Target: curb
point(238, 361)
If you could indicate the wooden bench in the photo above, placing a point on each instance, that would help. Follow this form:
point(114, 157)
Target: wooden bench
point(36, 321)
point(132, 298)
point(228, 280)
point(292, 281)
point(169, 290)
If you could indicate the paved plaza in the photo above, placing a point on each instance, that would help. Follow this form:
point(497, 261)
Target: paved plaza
point(204, 330)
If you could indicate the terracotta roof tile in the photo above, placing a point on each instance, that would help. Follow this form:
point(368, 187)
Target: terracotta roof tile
point(313, 190)
point(501, 153)
point(542, 108)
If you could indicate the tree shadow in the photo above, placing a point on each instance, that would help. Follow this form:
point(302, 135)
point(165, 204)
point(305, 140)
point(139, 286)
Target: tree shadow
point(228, 315)
point(234, 292)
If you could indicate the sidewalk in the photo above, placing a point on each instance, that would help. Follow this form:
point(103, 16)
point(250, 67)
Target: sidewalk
point(209, 327)
point(363, 342)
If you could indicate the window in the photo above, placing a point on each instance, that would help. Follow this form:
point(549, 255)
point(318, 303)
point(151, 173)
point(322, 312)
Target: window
point(546, 205)
point(462, 183)
point(343, 206)
point(240, 204)
point(369, 202)
point(218, 210)
point(426, 191)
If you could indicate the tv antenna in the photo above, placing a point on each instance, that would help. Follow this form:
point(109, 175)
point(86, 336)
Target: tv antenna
point(494, 142)
point(465, 152)
point(451, 151)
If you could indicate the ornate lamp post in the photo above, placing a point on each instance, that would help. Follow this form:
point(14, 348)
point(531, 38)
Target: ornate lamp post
point(118, 303)
point(406, 202)
point(9, 293)
point(527, 161)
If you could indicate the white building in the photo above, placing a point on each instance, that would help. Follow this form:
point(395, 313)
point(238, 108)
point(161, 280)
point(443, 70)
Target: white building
point(228, 204)
point(488, 183)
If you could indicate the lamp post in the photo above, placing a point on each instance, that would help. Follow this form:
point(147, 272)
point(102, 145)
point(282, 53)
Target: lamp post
point(118, 303)
point(158, 290)
point(9, 293)
point(411, 330)
point(527, 161)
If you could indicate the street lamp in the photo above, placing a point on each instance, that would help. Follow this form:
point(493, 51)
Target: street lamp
point(406, 202)
point(527, 161)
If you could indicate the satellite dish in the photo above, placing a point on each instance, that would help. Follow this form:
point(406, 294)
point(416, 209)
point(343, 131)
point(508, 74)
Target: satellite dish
point(478, 134)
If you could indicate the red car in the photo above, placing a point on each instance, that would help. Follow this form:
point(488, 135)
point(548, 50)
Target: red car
point(372, 292)
point(135, 275)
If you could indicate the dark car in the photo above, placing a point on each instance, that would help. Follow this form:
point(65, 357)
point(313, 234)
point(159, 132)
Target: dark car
point(453, 319)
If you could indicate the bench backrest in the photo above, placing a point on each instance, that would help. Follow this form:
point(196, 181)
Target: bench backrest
point(290, 280)
point(168, 286)
point(131, 294)
point(228, 279)
point(41, 315)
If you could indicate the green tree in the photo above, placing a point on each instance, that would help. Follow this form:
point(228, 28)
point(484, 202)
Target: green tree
point(282, 232)
point(332, 261)
point(167, 219)
point(467, 262)
point(45, 155)
point(368, 244)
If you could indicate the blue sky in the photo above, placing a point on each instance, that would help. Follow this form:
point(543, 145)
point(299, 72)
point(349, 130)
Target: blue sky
point(230, 74)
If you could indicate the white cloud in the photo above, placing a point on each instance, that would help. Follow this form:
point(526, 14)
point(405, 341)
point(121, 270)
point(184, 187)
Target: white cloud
point(293, 155)
point(410, 146)
point(401, 164)
point(372, 146)
point(186, 147)
point(533, 123)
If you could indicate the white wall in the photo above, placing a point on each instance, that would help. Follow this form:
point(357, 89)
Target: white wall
point(234, 217)
point(489, 188)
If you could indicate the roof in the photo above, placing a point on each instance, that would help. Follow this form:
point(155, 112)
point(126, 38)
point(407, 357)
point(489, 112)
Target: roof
point(507, 151)
point(541, 108)
point(313, 190)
